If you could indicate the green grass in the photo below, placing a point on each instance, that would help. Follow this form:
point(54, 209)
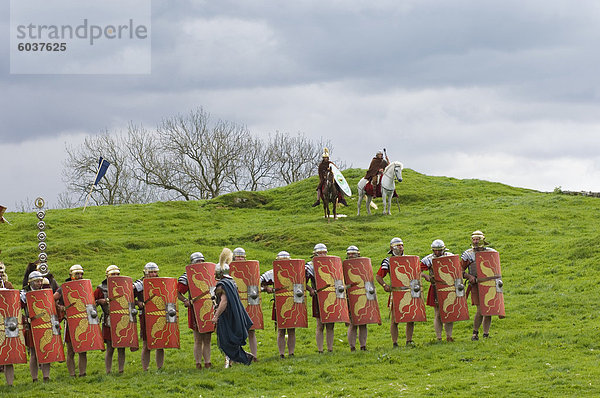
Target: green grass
point(547, 346)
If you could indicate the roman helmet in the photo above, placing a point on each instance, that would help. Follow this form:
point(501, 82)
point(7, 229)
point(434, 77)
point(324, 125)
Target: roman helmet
point(2, 268)
point(283, 255)
point(196, 258)
point(35, 276)
point(239, 252)
point(112, 270)
point(319, 247)
point(393, 243)
point(352, 250)
point(75, 269)
point(481, 237)
point(438, 244)
point(325, 153)
point(149, 267)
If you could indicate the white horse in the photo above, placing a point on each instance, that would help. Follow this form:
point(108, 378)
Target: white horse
point(392, 172)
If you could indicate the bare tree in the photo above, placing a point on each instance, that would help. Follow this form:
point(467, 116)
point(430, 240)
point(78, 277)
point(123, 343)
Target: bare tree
point(155, 166)
point(118, 186)
point(255, 168)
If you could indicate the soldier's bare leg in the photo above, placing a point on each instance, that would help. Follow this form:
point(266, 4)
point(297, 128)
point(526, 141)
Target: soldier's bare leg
point(437, 323)
point(82, 363)
point(487, 322)
point(252, 343)
point(362, 336)
point(410, 329)
point(160, 358)
point(205, 339)
point(351, 336)
point(319, 335)
point(281, 342)
point(394, 333)
point(448, 328)
point(108, 357)
point(197, 349)
point(145, 356)
point(33, 365)
point(477, 323)
point(70, 359)
point(46, 371)
point(9, 374)
point(121, 358)
point(329, 336)
point(291, 343)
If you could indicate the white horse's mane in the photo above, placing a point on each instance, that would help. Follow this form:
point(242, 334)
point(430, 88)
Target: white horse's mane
point(393, 164)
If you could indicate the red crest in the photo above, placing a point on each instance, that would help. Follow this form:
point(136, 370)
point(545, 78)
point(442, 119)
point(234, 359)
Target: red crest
point(123, 315)
point(450, 289)
point(489, 282)
point(45, 326)
point(82, 316)
point(161, 312)
point(358, 275)
point(202, 283)
point(246, 275)
point(331, 290)
point(12, 341)
point(290, 294)
point(407, 290)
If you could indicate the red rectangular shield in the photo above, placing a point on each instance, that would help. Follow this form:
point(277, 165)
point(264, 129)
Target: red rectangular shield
point(12, 341)
point(489, 282)
point(331, 290)
point(45, 326)
point(407, 292)
point(360, 286)
point(122, 312)
point(290, 294)
point(450, 289)
point(202, 283)
point(246, 275)
point(82, 316)
point(161, 313)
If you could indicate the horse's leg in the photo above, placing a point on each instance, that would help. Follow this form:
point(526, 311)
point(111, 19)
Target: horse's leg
point(369, 199)
point(360, 198)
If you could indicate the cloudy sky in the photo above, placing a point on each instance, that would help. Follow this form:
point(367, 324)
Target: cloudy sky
point(503, 91)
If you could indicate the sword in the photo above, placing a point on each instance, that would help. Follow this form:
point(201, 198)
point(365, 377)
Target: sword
point(199, 296)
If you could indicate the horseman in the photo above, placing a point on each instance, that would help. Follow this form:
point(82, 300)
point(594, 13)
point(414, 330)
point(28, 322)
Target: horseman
point(323, 171)
point(378, 164)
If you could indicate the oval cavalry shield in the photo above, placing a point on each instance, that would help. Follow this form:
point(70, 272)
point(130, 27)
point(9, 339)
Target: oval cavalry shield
point(45, 326)
point(360, 286)
point(246, 275)
point(489, 282)
point(407, 291)
point(202, 283)
point(82, 317)
point(161, 312)
point(12, 341)
point(122, 312)
point(331, 290)
point(450, 289)
point(290, 294)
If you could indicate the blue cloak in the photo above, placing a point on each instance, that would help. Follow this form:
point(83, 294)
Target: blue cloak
point(233, 324)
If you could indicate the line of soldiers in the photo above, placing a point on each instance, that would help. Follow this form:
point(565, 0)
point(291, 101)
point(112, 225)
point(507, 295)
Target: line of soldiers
point(225, 298)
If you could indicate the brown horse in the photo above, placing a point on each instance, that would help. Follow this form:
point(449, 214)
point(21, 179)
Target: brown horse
point(329, 194)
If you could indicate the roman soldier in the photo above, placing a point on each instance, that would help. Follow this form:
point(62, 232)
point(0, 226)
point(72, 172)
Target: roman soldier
point(201, 339)
point(239, 254)
point(101, 297)
point(4, 283)
point(35, 283)
point(75, 273)
point(378, 163)
point(150, 271)
point(468, 263)
point(439, 250)
point(396, 249)
point(353, 252)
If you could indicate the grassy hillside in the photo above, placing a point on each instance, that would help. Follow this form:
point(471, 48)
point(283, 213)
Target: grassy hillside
point(547, 345)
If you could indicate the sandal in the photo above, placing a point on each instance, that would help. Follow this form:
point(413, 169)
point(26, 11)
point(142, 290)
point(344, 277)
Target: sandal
point(475, 336)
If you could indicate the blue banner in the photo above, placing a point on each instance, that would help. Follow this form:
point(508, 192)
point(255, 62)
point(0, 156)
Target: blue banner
point(102, 166)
